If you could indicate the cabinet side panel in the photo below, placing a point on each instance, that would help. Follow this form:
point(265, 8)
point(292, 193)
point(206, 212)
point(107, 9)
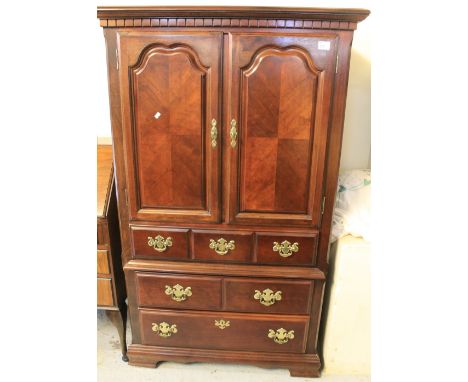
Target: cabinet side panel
point(335, 137)
point(111, 38)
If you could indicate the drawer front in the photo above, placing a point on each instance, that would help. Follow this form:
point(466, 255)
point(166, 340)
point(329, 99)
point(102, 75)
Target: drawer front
point(225, 246)
point(104, 292)
point(149, 243)
point(177, 291)
point(102, 232)
point(103, 262)
point(268, 295)
point(227, 331)
point(290, 249)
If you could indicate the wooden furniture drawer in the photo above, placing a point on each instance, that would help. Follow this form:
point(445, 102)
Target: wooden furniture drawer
point(178, 291)
point(222, 246)
point(154, 243)
point(267, 295)
point(290, 249)
point(205, 330)
point(104, 292)
point(103, 262)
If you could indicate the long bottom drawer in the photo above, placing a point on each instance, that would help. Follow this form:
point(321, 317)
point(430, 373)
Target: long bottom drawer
point(221, 330)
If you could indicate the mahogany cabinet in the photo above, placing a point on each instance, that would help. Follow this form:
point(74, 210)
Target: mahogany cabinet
point(227, 125)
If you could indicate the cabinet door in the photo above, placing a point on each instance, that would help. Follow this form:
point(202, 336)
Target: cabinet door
point(169, 85)
point(281, 88)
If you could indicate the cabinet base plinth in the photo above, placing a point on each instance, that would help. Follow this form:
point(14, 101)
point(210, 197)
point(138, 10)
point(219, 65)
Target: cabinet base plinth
point(299, 365)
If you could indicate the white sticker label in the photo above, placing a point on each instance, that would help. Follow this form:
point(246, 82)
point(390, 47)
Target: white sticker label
point(324, 45)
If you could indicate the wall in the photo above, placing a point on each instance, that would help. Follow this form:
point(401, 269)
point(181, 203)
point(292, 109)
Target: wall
point(356, 141)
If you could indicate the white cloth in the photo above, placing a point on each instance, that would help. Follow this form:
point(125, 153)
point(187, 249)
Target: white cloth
point(352, 214)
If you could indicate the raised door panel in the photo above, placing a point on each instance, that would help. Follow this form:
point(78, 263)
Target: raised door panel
point(170, 102)
point(280, 101)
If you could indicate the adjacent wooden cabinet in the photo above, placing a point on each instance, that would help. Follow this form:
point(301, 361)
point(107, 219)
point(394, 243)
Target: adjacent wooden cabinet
point(111, 292)
point(227, 126)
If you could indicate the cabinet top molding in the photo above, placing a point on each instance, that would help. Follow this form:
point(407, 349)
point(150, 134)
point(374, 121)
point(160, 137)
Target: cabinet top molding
point(342, 18)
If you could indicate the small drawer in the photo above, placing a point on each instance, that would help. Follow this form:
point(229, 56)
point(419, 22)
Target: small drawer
point(226, 246)
point(104, 292)
point(268, 295)
point(226, 331)
point(103, 262)
point(290, 249)
point(176, 291)
point(154, 243)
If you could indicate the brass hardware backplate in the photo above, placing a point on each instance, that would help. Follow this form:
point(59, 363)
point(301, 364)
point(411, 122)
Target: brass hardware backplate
point(233, 133)
point(285, 249)
point(159, 243)
point(222, 324)
point(214, 133)
point(281, 336)
point(267, 297)
point(164, 329)
point(178, 292)
point(222, 246)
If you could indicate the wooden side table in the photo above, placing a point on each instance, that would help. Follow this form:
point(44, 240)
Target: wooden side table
point(111, 293)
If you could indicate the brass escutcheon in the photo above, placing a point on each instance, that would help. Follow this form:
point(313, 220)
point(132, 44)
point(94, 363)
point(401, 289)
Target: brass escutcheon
point(178, 293)
point(285, 249)
point(267, 297)
point(164, 329)
point(221, 246)
point(214, 133)
point(159, 243)
point(281, 336)
point(233, 133)
point(222, 324)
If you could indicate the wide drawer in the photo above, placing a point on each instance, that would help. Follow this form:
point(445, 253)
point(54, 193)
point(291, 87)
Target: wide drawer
point(286, 249)
point(178, 291)
point(267, 295)
point(168, 243)
point(225, 246)
point(227, 331)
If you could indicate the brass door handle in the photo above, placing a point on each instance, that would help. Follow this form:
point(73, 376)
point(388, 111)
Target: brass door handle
point(214, 133)
point(267, 297)
point(222, 246)
point(281, 336)
point(159, 243)
point(222, 324)
point(178, 292)
point(233, 133)
point(285, 249)
point(164, 329)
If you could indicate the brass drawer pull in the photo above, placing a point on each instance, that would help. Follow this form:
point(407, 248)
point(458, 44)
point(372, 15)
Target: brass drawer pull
point(233, 133)
point(285, 249)
point(178, 293)
point(164, 329)
point(281, 336)
point(159, 243)
point(221, 246)
point(267, 297)
point(222, 324)
point(214, 133)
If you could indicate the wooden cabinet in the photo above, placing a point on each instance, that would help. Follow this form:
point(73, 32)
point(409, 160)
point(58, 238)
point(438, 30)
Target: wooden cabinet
point(227, 125)
point(111, 293)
